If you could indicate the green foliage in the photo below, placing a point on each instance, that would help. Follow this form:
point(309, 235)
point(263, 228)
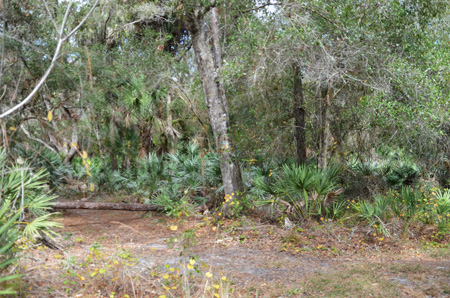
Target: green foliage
point(399, 168)
point(375, 213)
point(410, 199)
point(176, 202)
point(443, 203)
point(150, 171)
point(39, 157)
point(25, 190)
point(185, 168)
point(171, 180)
point(390, 168)
point(409, 207)
point(302, 190)
point(8, 235)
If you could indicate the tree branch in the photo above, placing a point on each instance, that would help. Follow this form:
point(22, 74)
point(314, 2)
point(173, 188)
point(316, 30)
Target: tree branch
point(36, 139)
point(82, 21)
point(269, 3)
point(61, 40)
point(50, 15)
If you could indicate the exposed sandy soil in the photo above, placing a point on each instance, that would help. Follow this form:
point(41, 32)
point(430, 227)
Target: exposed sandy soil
point(259, 259)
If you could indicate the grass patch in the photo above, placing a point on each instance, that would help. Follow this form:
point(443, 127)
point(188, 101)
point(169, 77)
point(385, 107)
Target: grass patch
point(354, 281)
point(439, 253)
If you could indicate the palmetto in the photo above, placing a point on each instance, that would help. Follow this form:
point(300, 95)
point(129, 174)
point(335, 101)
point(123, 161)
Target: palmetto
point(24, 201)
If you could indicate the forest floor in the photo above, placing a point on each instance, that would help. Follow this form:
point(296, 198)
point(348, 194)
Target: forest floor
point(133, 254)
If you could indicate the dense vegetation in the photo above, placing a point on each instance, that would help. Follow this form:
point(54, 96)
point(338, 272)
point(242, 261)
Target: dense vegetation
point(293, 110)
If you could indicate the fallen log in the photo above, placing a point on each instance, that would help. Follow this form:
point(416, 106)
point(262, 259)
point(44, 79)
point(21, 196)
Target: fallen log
point(106, 206)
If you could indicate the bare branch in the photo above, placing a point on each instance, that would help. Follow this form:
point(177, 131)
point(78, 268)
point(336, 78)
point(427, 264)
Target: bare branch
point(66, 15)
point(325, 18)
point(269, 3)
point(39, 84)
point(3, 48)
point(82, 21)
point(50, 15)
point(36, 139)
point(61, 41)
point(24, 43)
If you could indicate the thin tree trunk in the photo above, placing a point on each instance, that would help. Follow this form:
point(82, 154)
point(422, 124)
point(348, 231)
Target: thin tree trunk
point(73, 145)
point(324, 125)
point(299, 114)
point(145, 134)
point(51, 136)
point(100, 145)
point(106, 206)
point(214, 99)
point(75, 116)
point(170, 131)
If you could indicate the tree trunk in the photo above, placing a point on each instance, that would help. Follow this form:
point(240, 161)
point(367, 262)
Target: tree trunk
point(145, 134)
point(73, 145)
point(100, 145)
point(299, 114)
point(214, 99)
point(218, 54)
point(171, 133)
point(324, 101)
point(75, 116)
point(106, 206)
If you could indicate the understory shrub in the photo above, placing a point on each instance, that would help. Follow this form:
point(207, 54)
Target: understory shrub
point(24, 201)
point(407, 207)
point(186, 175)
point(299, 191)
point(39, 157)
point(389, 168)
point(8, 236)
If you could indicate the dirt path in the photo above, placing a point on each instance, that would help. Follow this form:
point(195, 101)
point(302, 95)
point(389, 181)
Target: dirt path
point(120, 253)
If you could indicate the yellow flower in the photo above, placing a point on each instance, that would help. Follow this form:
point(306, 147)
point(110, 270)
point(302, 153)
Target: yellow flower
point(173, 228)
point(190, 267)
point(216, 286)
point(209, 274)
point(224, 278)
point(50, 116)
point(166, 276)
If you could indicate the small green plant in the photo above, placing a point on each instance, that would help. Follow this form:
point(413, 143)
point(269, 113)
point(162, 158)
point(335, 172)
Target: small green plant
point(374, 213)
point(300, 191)
point(8, 236)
